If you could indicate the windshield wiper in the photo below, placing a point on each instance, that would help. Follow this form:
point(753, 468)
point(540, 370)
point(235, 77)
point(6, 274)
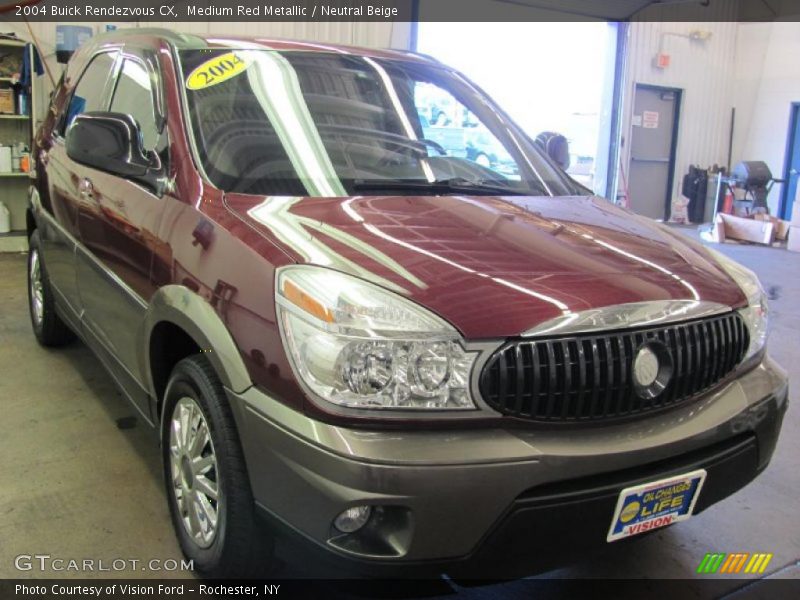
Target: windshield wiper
point(454, 185)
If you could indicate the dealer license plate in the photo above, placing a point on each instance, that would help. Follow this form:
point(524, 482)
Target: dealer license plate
point(649, 506)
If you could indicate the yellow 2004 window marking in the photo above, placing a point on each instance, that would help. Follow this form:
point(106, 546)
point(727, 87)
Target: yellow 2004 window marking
point(216, 70)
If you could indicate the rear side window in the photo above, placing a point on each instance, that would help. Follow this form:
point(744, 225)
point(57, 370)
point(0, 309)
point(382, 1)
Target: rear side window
point(90, 93)
point(134, 96)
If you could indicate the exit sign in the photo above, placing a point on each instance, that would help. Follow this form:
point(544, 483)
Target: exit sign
point(661, 61)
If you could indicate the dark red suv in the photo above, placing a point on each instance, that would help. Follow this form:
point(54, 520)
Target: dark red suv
point(337, 322)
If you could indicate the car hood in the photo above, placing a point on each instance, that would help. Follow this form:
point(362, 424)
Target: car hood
point(493, 266)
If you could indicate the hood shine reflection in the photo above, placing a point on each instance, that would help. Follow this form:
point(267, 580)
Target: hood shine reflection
point(494, 266)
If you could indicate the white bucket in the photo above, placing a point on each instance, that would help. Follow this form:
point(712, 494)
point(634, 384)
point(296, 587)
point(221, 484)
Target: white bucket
point(5, 219)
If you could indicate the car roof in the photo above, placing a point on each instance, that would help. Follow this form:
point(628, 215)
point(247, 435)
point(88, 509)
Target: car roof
point(143, 36)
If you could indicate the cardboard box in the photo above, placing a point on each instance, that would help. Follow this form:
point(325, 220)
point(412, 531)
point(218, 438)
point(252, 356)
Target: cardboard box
point(740, 228)
point(781, 226)
point(718, 230)
point(7, 101)
point(782, 229)
point(794, 239)
point(795, 220)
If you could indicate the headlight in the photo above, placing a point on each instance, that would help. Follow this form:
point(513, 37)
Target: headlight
point(756, 315)
point(355, 344)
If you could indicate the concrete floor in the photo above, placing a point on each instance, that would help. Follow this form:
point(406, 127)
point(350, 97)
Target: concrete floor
point(74, 484)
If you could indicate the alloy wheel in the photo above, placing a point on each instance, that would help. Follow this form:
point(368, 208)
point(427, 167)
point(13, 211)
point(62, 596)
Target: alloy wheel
point(194, 472)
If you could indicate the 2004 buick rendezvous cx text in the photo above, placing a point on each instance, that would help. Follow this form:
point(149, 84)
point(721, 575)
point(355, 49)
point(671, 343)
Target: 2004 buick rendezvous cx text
point(399, 346)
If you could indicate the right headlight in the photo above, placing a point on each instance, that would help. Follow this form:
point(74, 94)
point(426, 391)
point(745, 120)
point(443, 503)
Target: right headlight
point(756, 315)
point(358, 345)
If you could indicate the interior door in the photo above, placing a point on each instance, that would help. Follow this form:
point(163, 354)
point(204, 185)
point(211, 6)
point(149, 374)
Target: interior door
point(653, 138)
point(792, 164)
point(117, 220)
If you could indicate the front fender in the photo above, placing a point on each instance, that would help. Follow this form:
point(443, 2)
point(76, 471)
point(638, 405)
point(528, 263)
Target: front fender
point(184, 308)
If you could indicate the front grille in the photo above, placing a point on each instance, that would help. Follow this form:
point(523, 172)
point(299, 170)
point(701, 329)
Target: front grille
point(588, 377)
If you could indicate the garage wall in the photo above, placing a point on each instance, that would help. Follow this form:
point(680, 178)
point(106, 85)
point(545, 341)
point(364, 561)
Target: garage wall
point(767, 81)
point(703, 70)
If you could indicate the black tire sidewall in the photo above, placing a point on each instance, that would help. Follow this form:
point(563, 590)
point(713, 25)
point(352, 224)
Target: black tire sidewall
point(34, 244)
point(193, 377)
point(181, 387)
point(48, 331)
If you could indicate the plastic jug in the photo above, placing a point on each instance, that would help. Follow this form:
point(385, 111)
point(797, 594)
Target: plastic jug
point(5, 219)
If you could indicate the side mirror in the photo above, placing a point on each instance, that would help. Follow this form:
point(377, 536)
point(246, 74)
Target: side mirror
point(555, 146)
point(112, 142)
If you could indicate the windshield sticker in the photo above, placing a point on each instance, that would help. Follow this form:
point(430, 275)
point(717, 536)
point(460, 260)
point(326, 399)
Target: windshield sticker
point(216, 70)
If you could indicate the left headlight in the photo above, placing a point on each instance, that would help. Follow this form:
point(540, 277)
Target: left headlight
point(756, 315)
point(358, 345)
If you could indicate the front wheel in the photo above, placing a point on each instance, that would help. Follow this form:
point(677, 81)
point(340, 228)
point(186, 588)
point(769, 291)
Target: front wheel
point(207, 485)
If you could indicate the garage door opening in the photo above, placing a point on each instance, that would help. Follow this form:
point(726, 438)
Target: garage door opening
point(548, 76)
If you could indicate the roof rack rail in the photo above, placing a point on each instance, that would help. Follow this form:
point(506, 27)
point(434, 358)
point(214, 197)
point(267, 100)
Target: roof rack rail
point(179, 40)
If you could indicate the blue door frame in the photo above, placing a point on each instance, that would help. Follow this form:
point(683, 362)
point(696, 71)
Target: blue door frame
point(791, 162)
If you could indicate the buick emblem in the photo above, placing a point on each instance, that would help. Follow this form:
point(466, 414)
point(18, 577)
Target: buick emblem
point(645, 367)
point(652, 369)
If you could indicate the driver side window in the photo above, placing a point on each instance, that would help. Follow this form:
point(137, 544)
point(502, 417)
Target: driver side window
point(90, 93)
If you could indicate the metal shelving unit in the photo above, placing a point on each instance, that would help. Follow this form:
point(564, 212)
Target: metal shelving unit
point(16, 128)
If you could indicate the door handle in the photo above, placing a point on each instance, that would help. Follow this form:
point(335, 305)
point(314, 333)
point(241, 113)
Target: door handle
point(86, 189)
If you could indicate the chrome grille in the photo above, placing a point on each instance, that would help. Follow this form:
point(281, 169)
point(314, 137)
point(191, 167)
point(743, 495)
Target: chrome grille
point(588, 377)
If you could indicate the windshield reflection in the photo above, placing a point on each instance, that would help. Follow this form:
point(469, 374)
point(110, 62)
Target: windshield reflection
point(327, 124)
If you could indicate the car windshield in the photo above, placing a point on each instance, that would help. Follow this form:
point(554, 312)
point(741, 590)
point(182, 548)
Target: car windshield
point(296, 123)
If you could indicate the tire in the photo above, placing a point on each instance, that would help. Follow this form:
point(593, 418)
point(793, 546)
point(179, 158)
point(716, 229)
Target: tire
point(237, 545)
point(48, 327)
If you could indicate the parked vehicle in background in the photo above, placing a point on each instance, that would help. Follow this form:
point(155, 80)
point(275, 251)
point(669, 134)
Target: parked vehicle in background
point(370, 339)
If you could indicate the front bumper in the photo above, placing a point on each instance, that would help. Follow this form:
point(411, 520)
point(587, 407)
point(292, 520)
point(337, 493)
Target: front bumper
point(471, 497)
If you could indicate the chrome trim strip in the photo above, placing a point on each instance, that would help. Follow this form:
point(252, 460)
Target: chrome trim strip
point(626, 316)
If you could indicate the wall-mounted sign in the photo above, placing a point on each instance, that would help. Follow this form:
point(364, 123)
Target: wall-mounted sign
point(650, 119)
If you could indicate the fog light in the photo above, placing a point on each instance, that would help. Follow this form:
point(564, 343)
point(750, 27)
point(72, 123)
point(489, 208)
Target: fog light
point(352, 519)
